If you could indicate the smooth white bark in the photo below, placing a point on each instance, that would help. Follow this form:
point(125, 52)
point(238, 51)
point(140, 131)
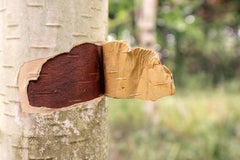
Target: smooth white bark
point(33, 29)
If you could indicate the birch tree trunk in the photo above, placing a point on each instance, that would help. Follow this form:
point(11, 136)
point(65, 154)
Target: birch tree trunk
point(33, 29)
point(146, 21)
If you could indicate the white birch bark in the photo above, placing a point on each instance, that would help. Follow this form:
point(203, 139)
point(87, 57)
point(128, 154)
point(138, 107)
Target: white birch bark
point(32, 29)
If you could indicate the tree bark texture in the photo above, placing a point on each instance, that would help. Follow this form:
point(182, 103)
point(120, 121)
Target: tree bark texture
point(33, 29)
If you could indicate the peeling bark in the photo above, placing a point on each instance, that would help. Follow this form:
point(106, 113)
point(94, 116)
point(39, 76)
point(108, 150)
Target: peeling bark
point(77, 76)
point(135, 73)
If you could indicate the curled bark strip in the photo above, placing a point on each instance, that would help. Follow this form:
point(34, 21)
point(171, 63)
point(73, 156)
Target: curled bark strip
point(135, 73)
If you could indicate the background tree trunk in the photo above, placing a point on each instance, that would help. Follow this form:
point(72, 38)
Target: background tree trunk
point(146, 20)
point(32, 29)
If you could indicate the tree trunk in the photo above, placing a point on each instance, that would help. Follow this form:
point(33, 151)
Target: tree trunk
point(33, 29)
point(146, 21)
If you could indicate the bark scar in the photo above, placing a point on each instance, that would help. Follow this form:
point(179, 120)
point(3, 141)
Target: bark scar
point(63, 80)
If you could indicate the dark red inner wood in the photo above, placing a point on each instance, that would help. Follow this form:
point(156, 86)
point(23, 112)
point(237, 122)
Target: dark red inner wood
point(69, 78)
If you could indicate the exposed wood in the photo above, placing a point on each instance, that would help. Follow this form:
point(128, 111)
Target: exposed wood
point(67, 79)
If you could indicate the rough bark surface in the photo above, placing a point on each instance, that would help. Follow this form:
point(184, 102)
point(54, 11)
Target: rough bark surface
point(33, 29)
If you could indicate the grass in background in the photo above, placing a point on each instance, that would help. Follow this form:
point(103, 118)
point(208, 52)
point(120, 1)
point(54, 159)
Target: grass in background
point(192, 125)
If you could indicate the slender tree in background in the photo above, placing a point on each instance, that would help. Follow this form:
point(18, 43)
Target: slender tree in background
point(34, 29)
point(210, 27)
point(146, 20)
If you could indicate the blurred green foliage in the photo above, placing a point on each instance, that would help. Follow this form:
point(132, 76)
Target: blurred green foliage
point(200, 43)
point(196, 37)
point(200, 126)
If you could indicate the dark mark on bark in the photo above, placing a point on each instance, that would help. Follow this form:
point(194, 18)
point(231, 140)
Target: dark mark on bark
point(69, 78)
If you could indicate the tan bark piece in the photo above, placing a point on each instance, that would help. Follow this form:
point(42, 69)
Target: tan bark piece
point(135, 73)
